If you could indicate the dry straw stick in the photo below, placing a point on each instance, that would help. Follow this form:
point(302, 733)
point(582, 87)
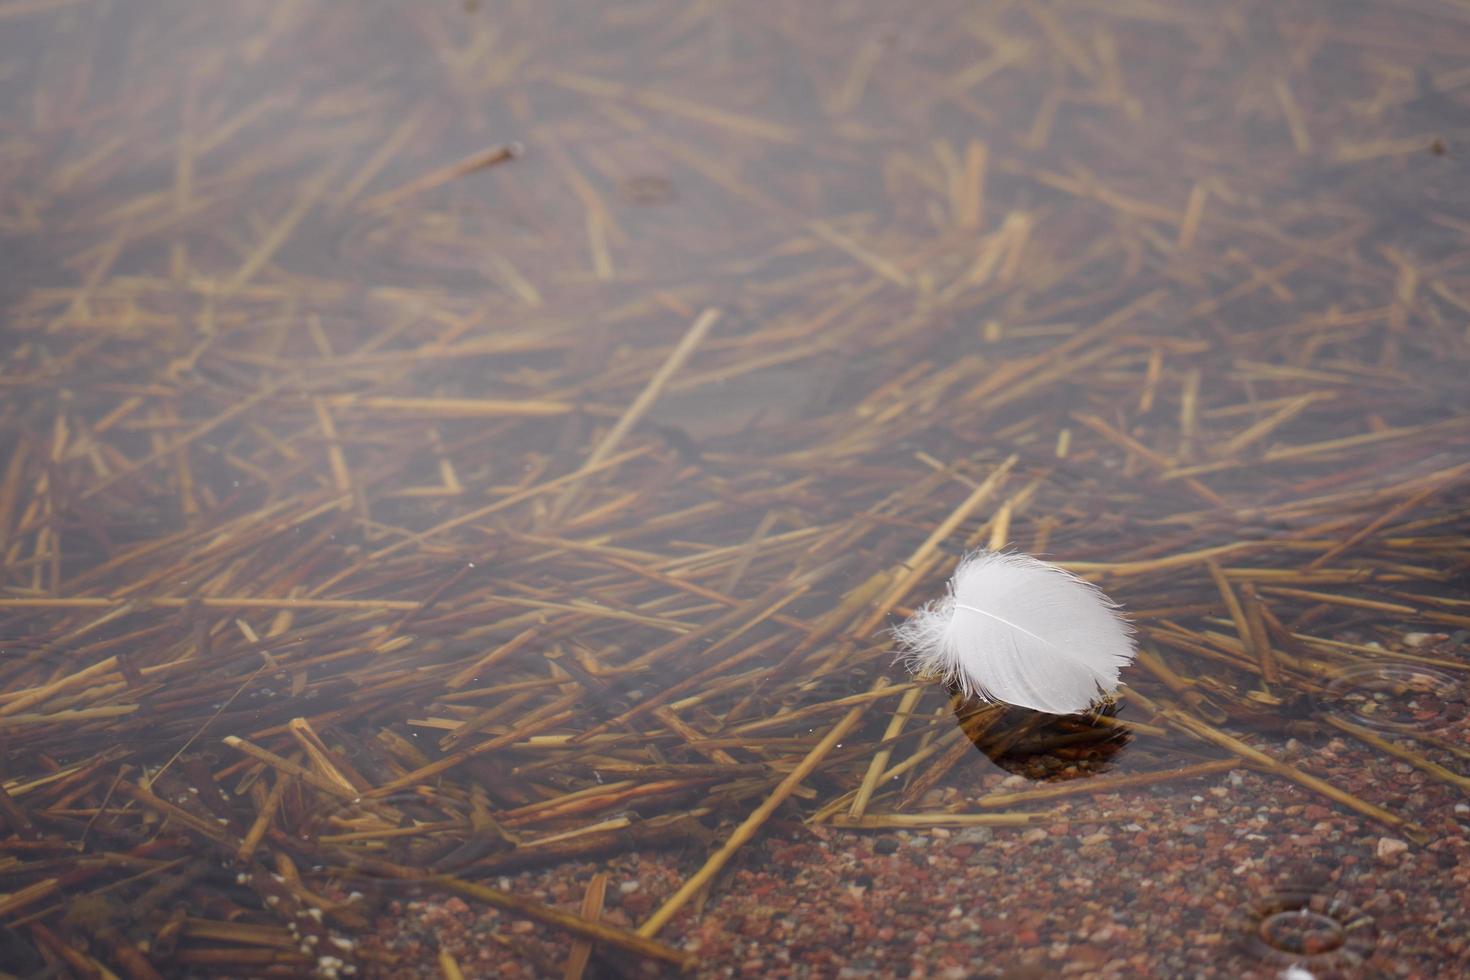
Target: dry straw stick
point(207, 602)
point(635, 412)
point(449, 966)
point(752, 824)
point(925, 751)
point(1398, 751)
point(478, 160)
point(918, 563)
point(1110, 784)
point(598, 932)
point(886, 821)
point(263, 819)
point(880, 760)
point(591, 911)
point(1274, 765)
point(285, 767)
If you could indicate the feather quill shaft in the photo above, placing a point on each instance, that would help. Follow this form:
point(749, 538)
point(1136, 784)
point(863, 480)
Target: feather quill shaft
point(1022, 631)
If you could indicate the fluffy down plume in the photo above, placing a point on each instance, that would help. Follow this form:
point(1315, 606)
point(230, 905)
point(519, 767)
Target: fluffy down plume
point(1022, 631)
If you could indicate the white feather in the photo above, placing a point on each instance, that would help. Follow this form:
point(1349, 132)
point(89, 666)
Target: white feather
point(1022, 631)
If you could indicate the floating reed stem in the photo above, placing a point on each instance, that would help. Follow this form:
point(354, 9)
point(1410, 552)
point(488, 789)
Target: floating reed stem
point(752, 824)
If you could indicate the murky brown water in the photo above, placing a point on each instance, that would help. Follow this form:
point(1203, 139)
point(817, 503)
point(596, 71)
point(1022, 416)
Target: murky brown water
point(491, 440)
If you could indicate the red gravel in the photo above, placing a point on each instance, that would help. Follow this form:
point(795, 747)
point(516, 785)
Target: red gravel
point(1147, 883)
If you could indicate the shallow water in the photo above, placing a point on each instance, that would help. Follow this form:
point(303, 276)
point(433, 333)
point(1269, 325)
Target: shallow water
point(493, 439)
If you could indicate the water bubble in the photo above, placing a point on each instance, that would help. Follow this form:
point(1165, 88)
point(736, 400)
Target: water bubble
point(1308, 930)
point(1395, 697)
point(1302, 932)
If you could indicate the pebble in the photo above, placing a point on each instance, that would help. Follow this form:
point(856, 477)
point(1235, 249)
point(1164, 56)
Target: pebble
point(975, 835)
point(1390, 847)
point(1023, 902)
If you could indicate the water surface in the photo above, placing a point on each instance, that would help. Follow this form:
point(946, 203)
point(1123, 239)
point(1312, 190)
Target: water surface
point(492, 440)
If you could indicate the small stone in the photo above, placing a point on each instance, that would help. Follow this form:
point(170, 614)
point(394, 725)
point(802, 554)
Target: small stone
point(975, 835)
point(629, 887)
point(885, 845)
point(1390, 847)
point(1034, 835)
point(1088, 955)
